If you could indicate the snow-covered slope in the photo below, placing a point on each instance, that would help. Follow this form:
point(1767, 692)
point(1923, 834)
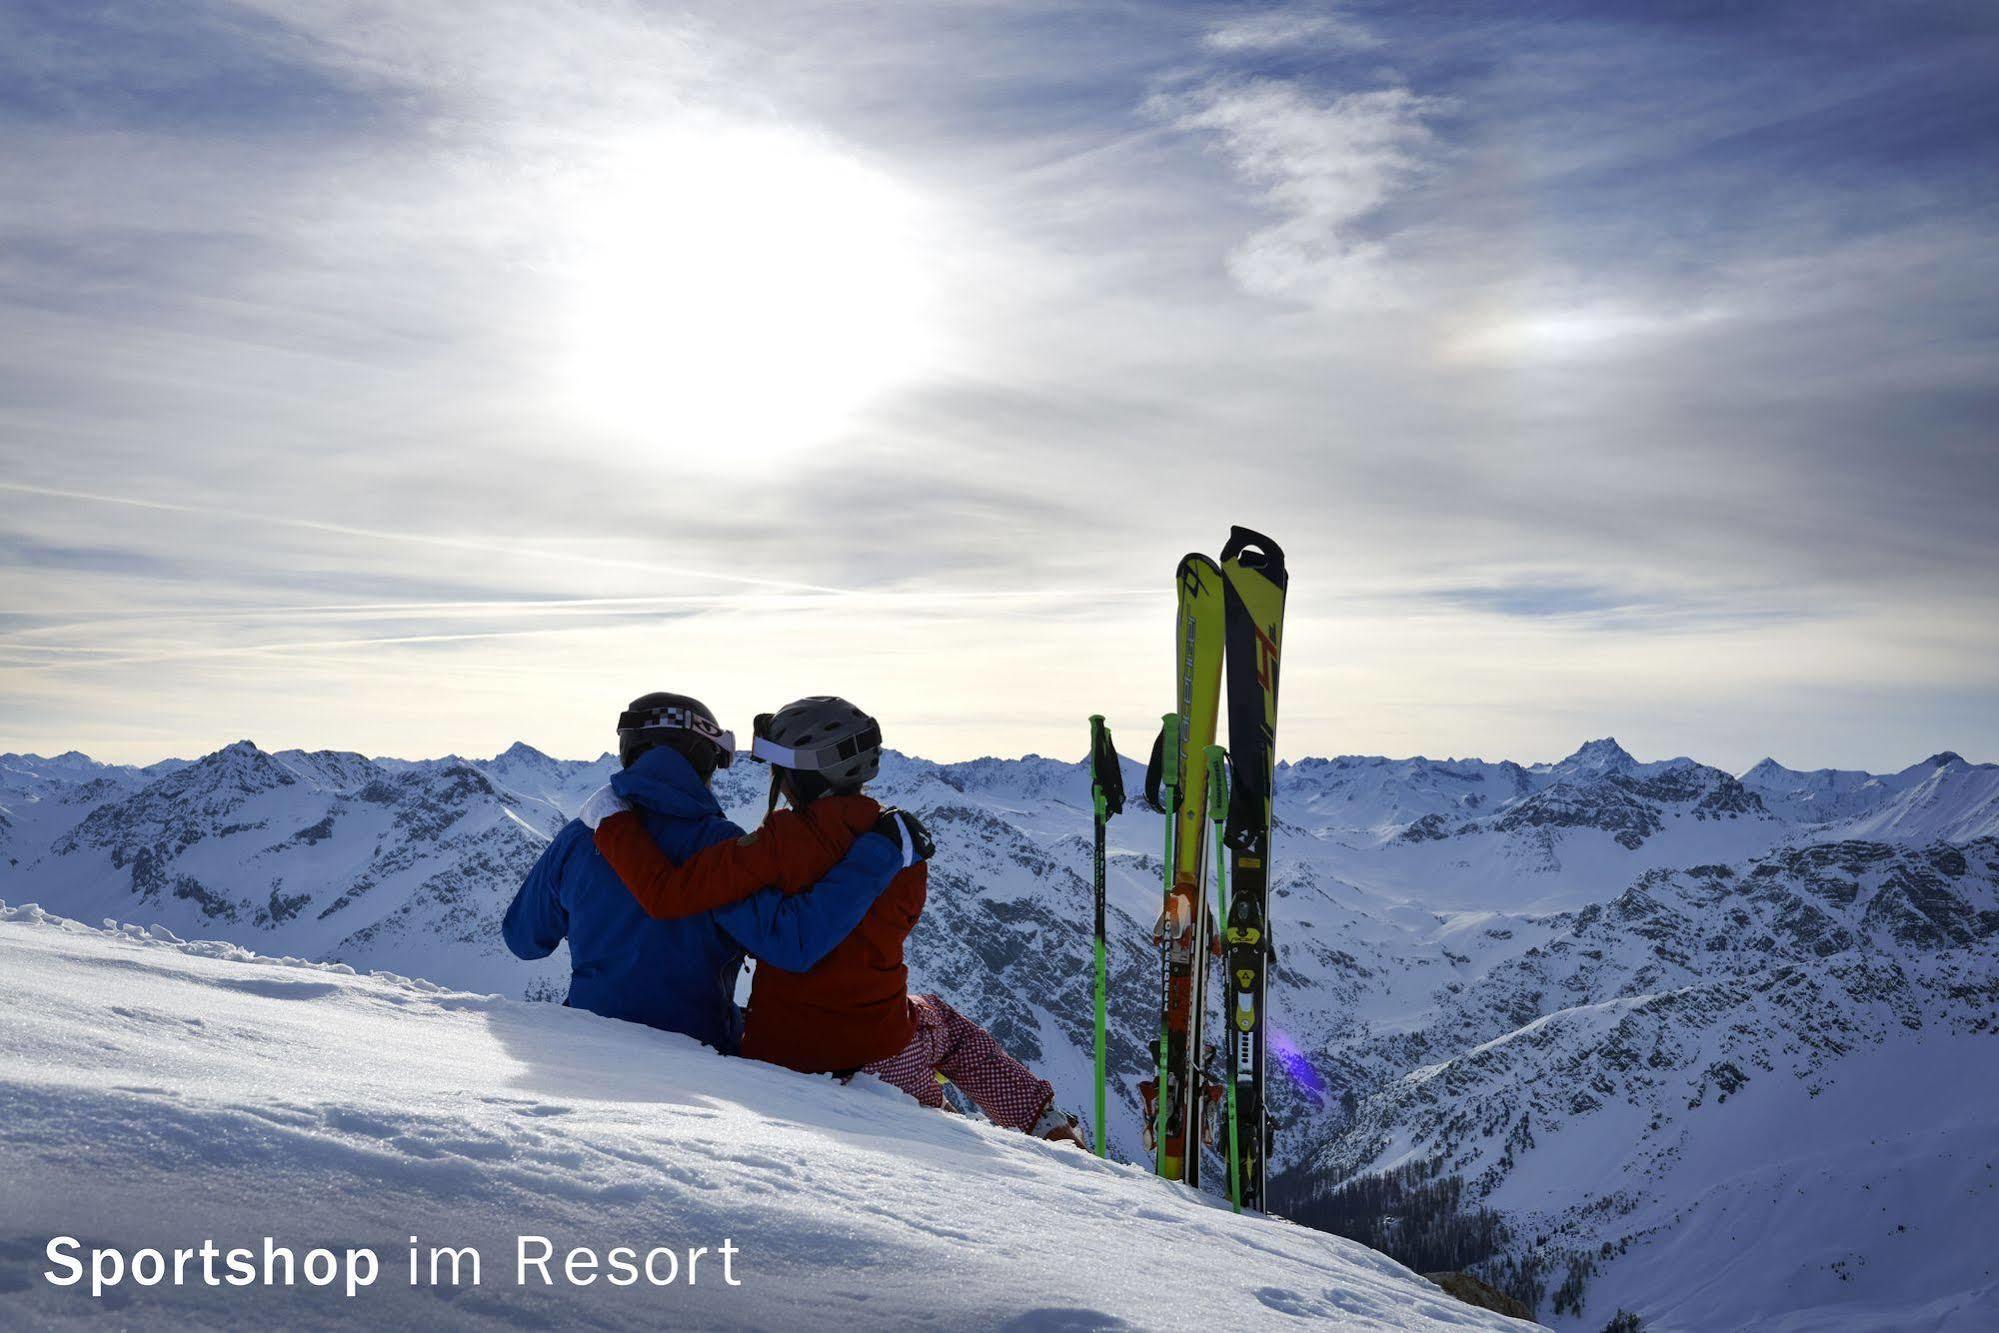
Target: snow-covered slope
point(41, 798)
point(562, 785)
point(323, 854)
point(1825, 1206)
point(1541, 838)
point(1715, 1044)
point(1383, 796)
point(154, 1093)
point(1942, 797)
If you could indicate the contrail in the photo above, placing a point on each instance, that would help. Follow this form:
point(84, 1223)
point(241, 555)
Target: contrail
point(118, 617)
point(33, 638)
point(420, 539)
point(578, 557)
point(269, 649)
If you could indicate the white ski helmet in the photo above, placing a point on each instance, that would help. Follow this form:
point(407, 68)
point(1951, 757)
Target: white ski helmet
point(825, 736)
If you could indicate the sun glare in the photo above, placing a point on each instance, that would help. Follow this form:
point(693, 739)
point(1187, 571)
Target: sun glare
point(741, 293)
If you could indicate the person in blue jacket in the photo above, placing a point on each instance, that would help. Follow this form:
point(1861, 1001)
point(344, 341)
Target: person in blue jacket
point(681, 975)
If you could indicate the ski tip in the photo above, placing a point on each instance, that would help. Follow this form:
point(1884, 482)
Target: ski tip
point(1198, 560)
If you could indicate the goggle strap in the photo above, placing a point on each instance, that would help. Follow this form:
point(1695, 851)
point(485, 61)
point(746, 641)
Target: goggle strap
point(819, 757)
point(678, 719)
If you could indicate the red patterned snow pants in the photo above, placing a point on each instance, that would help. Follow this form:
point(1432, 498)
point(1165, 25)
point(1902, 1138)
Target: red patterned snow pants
point(948, 1043)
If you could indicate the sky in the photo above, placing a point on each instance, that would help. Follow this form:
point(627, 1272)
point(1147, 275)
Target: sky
point(415, 379)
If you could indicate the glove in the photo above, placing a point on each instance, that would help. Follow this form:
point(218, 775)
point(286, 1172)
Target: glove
point(603, 803)
point(906, 831)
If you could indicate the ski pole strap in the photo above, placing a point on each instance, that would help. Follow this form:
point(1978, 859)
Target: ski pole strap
point(1162, 770)
point(1106, 774)
point(1249, 801)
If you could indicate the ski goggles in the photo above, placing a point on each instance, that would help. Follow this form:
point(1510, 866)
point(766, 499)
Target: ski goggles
point(811, 758)
point(682, 719)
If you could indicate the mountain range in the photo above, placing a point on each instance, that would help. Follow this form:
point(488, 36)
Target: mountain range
point(1715, 1048)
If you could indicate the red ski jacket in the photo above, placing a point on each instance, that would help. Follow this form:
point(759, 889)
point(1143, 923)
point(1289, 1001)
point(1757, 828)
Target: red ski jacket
point(850, 1010)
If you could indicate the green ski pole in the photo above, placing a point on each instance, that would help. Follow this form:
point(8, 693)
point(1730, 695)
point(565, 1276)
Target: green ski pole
point(1218, 814)
point(1106, 799)
point(1169, 788)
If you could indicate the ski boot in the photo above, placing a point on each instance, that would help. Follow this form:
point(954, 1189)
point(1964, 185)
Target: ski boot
point(1058, 1126)
point(1148, 1098)
point(1175, 927)
point(1214, 1113)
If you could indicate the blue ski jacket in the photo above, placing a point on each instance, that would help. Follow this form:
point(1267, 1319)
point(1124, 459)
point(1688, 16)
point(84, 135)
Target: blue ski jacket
point(680, 975)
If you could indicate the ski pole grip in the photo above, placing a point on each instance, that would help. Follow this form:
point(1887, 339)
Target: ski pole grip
point(1096, 764)
point(1106, 777)
point(1169, 750)
point(1218, 783)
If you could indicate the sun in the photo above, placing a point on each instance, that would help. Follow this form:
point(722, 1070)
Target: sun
point(740, 293)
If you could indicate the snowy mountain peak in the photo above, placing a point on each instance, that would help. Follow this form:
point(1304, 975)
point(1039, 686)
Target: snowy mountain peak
point(1942, 797)
point(1029, 776)
point(68, 759)
point(520, 752)
point(71, 766)
point(1595, 758)
point(241, 768)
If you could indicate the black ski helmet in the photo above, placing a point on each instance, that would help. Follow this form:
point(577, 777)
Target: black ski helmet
point(825, 743)
point(680, 721)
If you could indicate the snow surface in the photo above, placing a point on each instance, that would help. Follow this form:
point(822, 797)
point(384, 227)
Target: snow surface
point(159, 1093)
point(1828, 1210)
point(1942, 797)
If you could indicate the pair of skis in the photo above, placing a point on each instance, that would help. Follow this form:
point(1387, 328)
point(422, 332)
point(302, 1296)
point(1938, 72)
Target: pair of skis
point(1229, 613)
point(1180, 1098)
point(1254, 626)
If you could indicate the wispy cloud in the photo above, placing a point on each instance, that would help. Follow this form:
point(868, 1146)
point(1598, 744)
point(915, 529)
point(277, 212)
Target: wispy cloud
point(377, 536)
point(1616, 610)
point(1323, 166)
point(1288, 26)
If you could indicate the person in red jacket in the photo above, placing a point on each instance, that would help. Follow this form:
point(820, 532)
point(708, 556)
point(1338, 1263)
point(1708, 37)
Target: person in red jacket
point(853, 1011)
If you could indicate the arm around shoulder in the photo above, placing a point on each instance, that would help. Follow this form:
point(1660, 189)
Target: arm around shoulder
point(536, 920)
point(722, 873)
point(795, 931)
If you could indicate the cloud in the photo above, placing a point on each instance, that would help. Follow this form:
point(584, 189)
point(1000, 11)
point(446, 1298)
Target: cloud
point(1289, 26)
point(1622, 610)
point(1583, 332)
point(1513, 330)
point(1324, 166)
